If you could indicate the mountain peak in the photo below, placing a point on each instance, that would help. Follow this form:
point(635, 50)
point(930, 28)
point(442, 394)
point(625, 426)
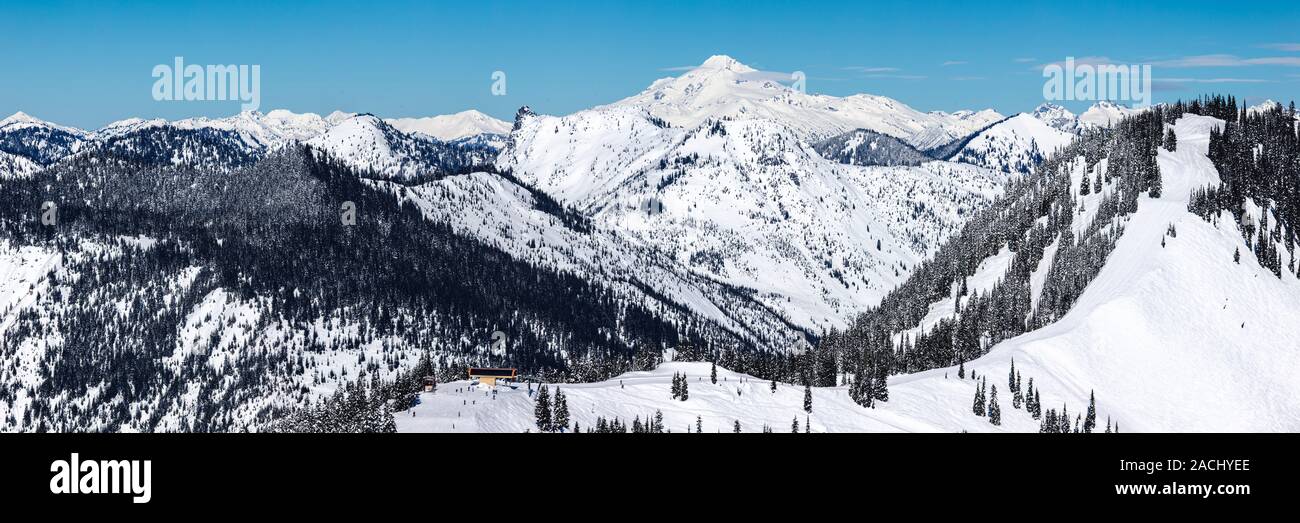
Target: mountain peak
point(23, 118)
point(722, 61)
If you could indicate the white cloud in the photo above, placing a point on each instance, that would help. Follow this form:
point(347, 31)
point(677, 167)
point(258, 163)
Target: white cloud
point(1216, 80)
point(863, 69)
point(1227, 60)
point(1289, 47)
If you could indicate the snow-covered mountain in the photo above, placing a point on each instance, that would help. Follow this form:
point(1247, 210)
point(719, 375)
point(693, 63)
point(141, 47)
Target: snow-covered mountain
point(369, 144)
point(1265, 105)
point(723, 88)
point(744, 200)
point(257, 130)
point(28, 144)
point(1018, 144)
point(36, 141)
point(1057, 117)
point(449, 127)
point(1105, 113)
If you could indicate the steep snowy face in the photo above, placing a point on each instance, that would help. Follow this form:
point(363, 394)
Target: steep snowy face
point(1104, 114)
point(1057, 117)
point(367, 143)
point(35, 141)
point(1018, 144)
point(722, 87)
point(450, 127)
point(496, 210)
point(747, 203)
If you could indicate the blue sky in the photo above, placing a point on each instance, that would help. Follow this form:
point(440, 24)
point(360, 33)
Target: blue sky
point(90, 63)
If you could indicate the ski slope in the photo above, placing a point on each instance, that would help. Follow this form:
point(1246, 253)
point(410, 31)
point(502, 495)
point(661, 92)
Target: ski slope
point(465, 407)
point(1178, 338)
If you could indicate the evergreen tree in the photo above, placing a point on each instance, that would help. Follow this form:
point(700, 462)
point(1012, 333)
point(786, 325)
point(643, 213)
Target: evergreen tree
point(542, 410)
point(561, 418)
point(737, 427)
point(961, 370)
point(1171, 140)
point(713, 373)
point(807, 398)
point(794, 425)
point(995, 412)
point(699, 424)
point(686, 388)
point(880, 385)
point(773, 386)
point(1090, 422)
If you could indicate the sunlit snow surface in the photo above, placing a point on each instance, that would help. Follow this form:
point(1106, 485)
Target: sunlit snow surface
point(1176, 339)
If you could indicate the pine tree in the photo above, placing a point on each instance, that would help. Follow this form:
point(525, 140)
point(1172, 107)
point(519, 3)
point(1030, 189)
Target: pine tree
point(773, 386)
point(794, 426)
point(1038, 405)
point(561, 418)
point(1090, 422)
point(807, 398)
point(713, 373)
point(1236, 255)
point(995, 412)
point(677, 385)
point(543, 410)
point(807, 425)
point(1085, 187)
point(880, 385)
point(1011, 377)
point(961, 370)
point(686, 388)
point(977, 406)
point(1171, 140)
point(737, 427)
point(699, 424)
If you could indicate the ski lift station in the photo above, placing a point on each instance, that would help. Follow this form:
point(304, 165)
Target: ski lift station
point(489, 376)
